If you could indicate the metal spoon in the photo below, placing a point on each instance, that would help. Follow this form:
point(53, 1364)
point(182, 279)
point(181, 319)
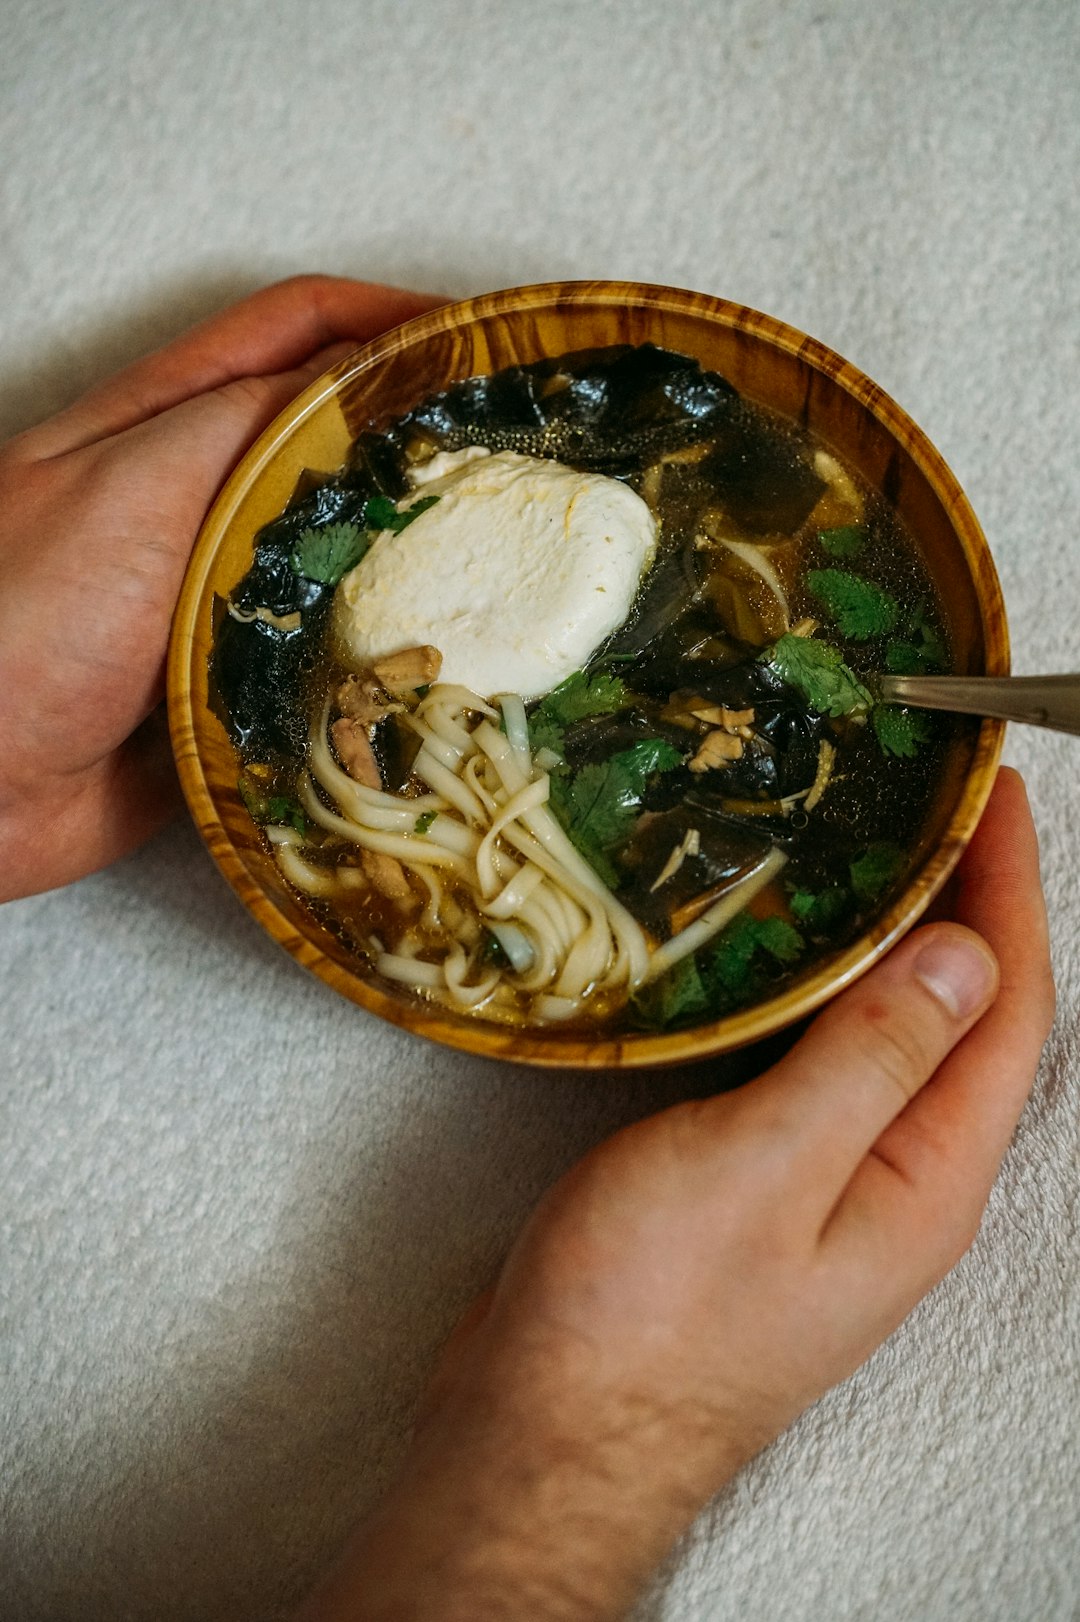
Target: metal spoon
point(1039, 701)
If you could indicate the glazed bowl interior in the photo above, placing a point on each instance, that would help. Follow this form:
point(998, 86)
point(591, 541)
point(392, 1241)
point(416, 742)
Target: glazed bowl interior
point(767, 362)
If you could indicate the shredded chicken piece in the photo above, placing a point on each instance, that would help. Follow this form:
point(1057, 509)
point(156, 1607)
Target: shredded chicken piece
point(404, 672)
point(718, 749)
point(825, 759)
point(419, 450)
point(355, 752)
point(386, 874)
point(717, 715)
point(679, 712)
point(689, 845)
point(366, 700)
point(690, 455)
point(828, 468)
point(683, 712)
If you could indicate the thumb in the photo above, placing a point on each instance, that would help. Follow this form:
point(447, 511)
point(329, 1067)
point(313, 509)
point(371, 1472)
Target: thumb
point(870, 1052)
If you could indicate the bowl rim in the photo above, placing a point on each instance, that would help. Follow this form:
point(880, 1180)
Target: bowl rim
point(548, 1046)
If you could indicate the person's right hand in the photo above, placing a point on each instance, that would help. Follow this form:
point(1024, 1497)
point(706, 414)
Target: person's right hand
point(683, 1293)
point(99, 507)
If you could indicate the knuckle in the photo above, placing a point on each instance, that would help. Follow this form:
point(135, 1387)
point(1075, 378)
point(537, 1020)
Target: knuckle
point(250, 393)
point(899, 1048)
point(304, 284)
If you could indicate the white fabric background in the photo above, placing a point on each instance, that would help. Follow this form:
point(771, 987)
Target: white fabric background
point(237, 1215)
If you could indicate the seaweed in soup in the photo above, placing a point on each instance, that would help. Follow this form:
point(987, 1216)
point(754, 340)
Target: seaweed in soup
point(697, 765)
point(613, 410)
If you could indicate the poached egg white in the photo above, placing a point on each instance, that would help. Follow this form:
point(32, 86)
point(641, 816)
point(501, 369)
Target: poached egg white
point(516, 574)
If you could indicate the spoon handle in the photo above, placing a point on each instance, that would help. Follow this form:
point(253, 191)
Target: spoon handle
point(1039, 701)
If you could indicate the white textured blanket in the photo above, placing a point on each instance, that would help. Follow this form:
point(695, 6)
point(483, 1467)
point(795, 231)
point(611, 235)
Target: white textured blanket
point(236, 1214)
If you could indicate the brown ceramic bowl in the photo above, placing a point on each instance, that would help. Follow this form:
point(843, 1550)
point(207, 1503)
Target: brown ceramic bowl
point(765, 360)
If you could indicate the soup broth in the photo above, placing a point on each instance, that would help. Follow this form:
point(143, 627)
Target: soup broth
point(707, 806)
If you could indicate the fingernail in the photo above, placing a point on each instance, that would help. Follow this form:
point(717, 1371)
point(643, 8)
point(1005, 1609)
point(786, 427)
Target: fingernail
point(957, 972)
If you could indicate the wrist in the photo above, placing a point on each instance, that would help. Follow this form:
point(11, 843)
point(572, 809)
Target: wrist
point(542, 1500)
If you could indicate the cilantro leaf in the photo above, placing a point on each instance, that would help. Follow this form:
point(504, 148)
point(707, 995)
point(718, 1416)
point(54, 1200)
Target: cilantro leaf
point(382, 513)
point(900, 731)
point(821, 912)
point(928, 635)
point(779, 938)
point(721, 977)
point(731, 959)
point(904, 659)
point(328, 553)
point(580, 696)
point(678, 996)
point(818, 670)
point(598, 805)
point(280, 810)
point(873, 871)
point(575, 822)
point(846, 542)
point(264, 808)
point(857, 606)
point(920, 650)
point(544, 733)
point(575, 699)
point(736, 967)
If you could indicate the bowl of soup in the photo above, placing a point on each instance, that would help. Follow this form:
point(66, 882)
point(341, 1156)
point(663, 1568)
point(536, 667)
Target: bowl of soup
point(522, 684)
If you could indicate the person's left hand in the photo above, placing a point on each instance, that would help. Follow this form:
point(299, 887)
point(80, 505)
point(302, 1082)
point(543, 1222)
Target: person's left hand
point(99, 507)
